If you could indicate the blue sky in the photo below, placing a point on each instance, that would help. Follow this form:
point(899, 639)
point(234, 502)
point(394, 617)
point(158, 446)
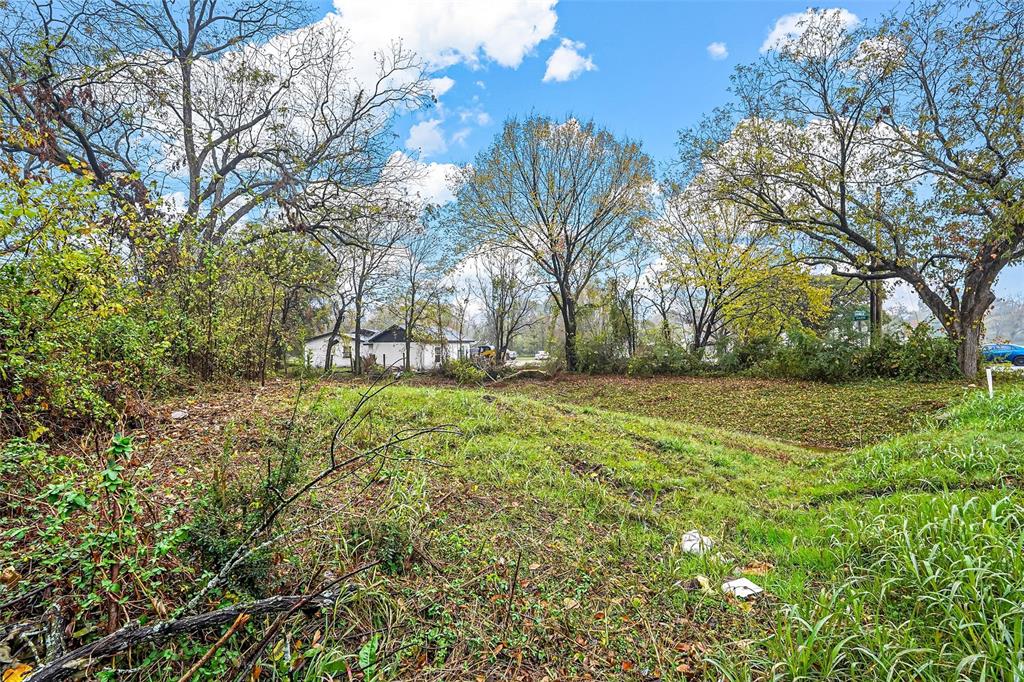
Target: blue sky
point(642, 68)
point(653, 72)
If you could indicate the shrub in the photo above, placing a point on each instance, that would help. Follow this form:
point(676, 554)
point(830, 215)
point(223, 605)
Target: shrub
point(806, 356)
point(464, 372)
point(927, 357)
point(746, 353)
point(922, 357)
point(666, 358)
point(601, 354)
point(230, 506)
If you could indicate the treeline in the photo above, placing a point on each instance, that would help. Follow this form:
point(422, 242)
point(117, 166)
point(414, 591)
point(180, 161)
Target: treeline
point(878, 154)
point(188, 197)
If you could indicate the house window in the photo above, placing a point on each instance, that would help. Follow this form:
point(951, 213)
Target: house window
point(437, 355)
point(346, 351)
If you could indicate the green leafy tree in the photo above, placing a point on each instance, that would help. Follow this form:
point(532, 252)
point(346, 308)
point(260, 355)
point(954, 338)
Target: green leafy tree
point(888, 153)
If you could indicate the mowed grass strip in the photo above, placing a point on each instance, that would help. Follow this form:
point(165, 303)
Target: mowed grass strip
point(824, 416)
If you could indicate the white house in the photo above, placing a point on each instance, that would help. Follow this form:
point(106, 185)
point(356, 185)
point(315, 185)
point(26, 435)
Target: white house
point(315, 349)
point(387, 348)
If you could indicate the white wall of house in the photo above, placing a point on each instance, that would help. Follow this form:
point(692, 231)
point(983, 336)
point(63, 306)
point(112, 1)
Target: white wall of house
point(316, 350)
point(424, 356)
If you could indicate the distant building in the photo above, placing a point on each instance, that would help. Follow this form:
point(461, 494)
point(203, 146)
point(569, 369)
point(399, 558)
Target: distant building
point(387, 348)
point(315, 348)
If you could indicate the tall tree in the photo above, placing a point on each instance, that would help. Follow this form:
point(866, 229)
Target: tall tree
point(506, 291)
point(890, 154)
point(421, 263)
point(228, 102)
point(567, 195)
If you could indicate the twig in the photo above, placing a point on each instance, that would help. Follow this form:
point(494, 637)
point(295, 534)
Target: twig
point(512, 594)
point(242, 619)
point(250, 658)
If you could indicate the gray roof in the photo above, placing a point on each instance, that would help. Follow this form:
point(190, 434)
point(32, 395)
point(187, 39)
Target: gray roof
point(396, 334)
point(366, 333)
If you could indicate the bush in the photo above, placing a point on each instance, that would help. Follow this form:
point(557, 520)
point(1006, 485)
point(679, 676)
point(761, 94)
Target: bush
point(926, 357)
point(601, 354)
point(746, 353)
point(666, 358)
point(922, 357)
point(464, 372)
point(806, 356)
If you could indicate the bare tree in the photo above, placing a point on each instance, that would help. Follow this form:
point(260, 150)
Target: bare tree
point(340, 302)
point(229, 102)
point(422, 261)
point(506, 290)
point(624, 289)
point(567, 195)
point(662, 290)
point(367, 264)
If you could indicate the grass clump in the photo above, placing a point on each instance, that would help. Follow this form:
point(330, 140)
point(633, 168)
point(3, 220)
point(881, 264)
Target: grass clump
point(927, 585)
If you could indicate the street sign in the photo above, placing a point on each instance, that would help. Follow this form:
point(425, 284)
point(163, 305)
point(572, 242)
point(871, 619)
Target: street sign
point(860, 315)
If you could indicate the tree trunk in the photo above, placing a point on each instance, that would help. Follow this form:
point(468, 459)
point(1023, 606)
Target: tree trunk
point(357, 342)
point(962, 321)
point(408, 351)
point(875, 299)
point(333, 340)
point(569, 320)
point(968, 350)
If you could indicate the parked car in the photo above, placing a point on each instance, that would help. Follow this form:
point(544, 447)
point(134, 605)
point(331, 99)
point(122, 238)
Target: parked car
point(542, 355)
point(511, 355)
point(1004, 352)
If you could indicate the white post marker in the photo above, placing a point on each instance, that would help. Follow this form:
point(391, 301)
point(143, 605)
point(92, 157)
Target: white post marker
point(988, 374)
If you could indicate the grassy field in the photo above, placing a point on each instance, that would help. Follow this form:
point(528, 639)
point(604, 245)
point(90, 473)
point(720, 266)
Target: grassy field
point(538, 537)
point(544, 542)
point(812, 414)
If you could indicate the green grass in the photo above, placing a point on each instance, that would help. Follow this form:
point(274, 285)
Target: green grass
point(591, 504)
point(808, 413)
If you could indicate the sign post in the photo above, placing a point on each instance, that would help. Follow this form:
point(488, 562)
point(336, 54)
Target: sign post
point(860, 316)
point(988, 375)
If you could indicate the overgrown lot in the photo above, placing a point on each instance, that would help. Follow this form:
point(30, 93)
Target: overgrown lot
point(542, 540)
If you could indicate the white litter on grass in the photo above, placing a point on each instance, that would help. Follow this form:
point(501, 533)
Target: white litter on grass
point(741, 588)
point(695, 543)
point(179, 414)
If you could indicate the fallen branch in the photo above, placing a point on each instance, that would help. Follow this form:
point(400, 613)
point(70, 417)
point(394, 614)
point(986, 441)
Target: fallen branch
point(242, 619)
point(522, 372)
point(129, 636)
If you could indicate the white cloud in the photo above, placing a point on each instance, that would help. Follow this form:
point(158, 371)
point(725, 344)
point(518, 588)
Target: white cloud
point(790, 27)
point(427, 137)
point(460, 136)
point(439, 86)
point(434, 186)
point(566, 62)
point(483, 118)
point(717, 51)
point(447, 32)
